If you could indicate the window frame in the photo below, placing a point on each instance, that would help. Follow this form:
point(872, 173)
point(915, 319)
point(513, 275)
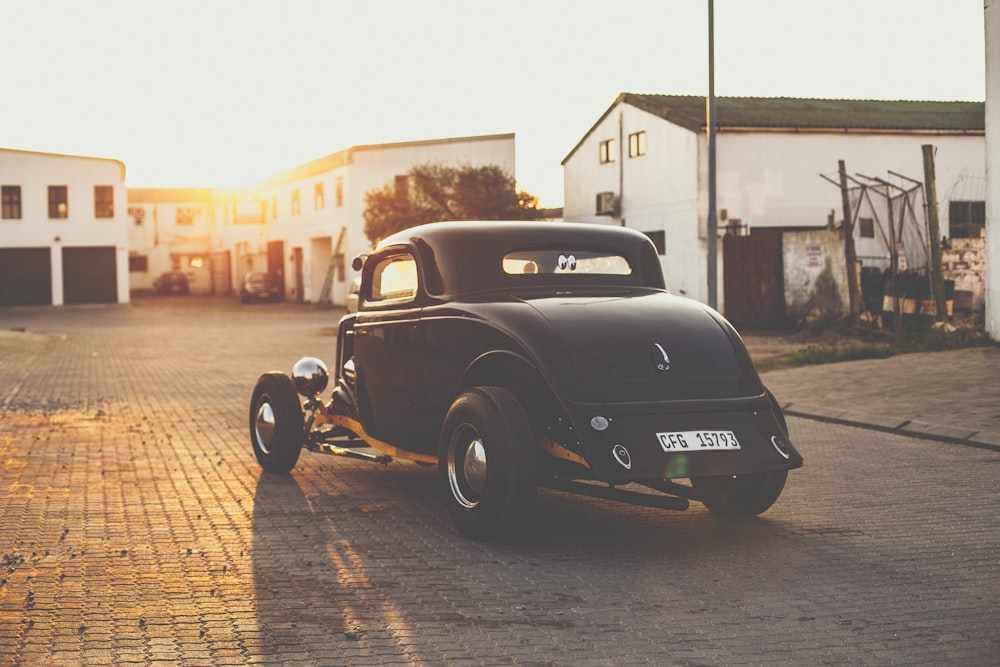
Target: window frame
point(55, 201)
point(637, 144)
point(104, 202)
point(10, 196)
point(373, 294)
point(966, 216)
point(319, 196)
point(606, 151)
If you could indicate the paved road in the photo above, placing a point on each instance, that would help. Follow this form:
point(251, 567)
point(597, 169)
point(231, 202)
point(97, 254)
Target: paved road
point(138, 529)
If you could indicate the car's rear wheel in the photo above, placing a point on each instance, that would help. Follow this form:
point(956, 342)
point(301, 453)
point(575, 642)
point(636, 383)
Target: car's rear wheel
point(488, 464)
point(276, 423)
point(740, 495)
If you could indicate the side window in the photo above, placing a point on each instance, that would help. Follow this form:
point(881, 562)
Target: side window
point(394, 279)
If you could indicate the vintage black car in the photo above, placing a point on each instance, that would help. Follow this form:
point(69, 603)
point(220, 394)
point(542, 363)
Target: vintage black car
point(517, 355)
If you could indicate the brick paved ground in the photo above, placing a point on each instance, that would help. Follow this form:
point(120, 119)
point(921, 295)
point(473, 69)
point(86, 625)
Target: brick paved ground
point(137, 529)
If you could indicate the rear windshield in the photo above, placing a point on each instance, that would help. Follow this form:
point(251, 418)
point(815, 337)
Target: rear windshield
point(566, 262)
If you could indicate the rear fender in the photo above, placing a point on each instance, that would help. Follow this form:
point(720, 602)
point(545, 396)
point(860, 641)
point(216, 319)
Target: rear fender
point(503, 368)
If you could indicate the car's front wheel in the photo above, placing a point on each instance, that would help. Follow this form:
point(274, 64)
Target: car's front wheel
point(277, 425)
point(488, 463)
point(740, 495)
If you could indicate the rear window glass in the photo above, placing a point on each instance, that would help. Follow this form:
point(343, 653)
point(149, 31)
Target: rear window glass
point(593, 262)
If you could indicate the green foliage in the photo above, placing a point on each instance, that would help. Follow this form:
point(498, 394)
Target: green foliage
point(433, 192)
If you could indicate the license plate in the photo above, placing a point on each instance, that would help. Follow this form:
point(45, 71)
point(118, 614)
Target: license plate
point(692, 441)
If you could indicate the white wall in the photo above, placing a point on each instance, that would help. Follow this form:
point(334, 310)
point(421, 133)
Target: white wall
point(34, 172)
point(772, 179)
point(992, 23)
point(659, 190)
point(168, 246)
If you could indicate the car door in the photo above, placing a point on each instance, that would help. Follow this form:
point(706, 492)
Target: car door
point(388, 349)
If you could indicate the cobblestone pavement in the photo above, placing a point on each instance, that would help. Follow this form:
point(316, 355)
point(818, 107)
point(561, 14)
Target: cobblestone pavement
point(952, 396)
point(138, 529)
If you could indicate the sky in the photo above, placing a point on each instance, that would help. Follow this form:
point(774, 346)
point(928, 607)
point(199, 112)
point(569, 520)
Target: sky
point(224, 93)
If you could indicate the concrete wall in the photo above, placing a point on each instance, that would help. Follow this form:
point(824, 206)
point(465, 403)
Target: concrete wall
point(815, 274)
point(34, 173)
point(658, 191)
point(992, 291)
point(965, 263)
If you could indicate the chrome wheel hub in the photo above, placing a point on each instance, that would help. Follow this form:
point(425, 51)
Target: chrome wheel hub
point(467, 470)
point(264, 427)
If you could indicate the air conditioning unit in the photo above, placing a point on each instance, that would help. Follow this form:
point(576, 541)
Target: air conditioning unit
point(607, 203)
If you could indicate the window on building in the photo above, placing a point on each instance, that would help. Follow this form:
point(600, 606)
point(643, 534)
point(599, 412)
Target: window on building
point(138, 215)
point(58, 201)
point(296, 202)
point(319, 198)
point(340, 191)
point(104, 201)
point(11, 202)
point(866, 228)
point(607, 151)
point(659, 239)
point(967, 219)
point(138, 264)
point(637, 144)
point(185, 216)
point(274, 207)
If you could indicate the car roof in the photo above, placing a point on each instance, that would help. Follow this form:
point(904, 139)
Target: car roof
point(464, 256)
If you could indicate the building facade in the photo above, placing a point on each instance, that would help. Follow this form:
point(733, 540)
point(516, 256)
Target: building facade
point(303, 225)
point(170, 230)
point(63, 229)
point(644, 164)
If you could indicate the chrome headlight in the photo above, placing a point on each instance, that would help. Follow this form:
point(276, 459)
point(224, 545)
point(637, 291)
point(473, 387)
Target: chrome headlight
point(310, 376)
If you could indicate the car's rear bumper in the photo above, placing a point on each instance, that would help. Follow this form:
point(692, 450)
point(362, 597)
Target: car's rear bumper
point(630, 448)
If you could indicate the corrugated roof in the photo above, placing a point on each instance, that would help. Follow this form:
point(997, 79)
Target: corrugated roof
point(793, 113)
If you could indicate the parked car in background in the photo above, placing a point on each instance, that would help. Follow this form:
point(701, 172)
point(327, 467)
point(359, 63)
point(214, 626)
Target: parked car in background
point(259, 286)
point(171, 282)
point(517, 355)
point(352, 295)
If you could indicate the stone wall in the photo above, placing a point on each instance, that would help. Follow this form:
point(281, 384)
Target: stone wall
point(965, 263)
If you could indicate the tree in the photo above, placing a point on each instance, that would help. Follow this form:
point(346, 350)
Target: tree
point(433, 192)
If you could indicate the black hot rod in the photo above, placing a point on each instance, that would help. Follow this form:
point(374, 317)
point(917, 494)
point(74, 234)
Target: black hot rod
point(514, 355)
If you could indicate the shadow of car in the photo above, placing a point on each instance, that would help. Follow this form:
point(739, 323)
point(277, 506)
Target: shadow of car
point(171, 282)
point(259, 286)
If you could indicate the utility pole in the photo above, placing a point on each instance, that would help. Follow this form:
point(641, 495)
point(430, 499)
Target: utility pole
point(713, 256)
point(934, 231)
point(851, 255)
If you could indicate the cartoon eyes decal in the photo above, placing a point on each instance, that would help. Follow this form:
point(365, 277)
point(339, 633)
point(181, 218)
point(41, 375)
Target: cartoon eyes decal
point(567, 262)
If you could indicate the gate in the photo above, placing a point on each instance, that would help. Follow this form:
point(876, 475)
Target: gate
point(753, 272)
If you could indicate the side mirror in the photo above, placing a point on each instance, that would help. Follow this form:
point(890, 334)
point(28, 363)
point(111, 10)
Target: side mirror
point(358, 262)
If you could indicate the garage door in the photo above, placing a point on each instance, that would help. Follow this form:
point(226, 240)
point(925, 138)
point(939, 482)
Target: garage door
point(89, 275)
point(25, 277)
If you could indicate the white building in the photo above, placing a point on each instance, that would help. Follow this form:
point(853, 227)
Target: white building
point(303, 225)
point(170, 230)
point(644, 164)
point(63, 229)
